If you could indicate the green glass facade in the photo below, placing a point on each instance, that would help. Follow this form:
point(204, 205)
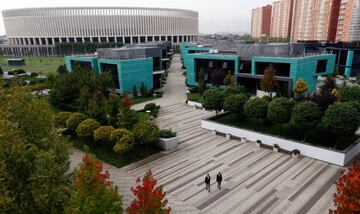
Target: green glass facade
point(306, 67)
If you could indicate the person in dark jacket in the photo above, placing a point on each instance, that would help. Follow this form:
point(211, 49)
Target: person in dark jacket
point(219, 180)
point(207, 182)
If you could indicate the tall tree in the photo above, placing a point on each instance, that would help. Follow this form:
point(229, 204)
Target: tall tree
point(33, 157)
point(269, 83)
point(229, 79)
point(202, 81)
point(91, 190)
point(347, 197)
point(150, 199)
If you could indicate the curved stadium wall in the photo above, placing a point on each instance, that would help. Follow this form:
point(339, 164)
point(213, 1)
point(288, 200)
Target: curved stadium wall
point(45, 27)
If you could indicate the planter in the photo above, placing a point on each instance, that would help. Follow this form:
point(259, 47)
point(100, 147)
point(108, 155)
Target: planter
point(295, 155)
point(337, 157)
point(167, 143)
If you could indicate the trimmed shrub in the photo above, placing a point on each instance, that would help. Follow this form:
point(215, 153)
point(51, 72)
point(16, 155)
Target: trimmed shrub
point(125, 144)
point(235, 89)
point(154, 110)
point(123, 139)
point(74, 120)
point(341, 119)
point(280, 110)
point(235, 104)
point(165, 133)
point(146, 133)
point(87, 127)
point(61, 118)
point(102, 134)
point(213, 99)
point(349, 94)
point(256, 108)
point(306, 114)
point(34, 74)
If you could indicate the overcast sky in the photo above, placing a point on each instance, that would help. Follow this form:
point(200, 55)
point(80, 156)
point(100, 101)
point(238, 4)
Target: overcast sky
point(214, 15)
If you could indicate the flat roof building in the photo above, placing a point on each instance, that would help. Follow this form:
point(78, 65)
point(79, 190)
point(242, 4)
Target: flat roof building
point(249, 61)
point(129, 66)
point(281, 19)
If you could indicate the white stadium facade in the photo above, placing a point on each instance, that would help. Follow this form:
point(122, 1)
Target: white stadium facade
point(36, 31)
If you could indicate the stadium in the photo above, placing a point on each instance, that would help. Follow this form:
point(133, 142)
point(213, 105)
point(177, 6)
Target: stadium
point(35, 31)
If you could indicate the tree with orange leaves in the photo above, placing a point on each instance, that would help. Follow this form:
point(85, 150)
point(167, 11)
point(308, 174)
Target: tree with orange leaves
point(149, 198)
point(347, 197)
point(91, 191)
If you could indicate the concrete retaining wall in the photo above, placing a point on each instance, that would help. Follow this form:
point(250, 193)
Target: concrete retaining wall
point(340, 158)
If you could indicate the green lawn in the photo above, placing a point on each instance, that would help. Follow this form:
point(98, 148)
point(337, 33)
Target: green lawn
point(196, 97)
point(317, 136)
point(141, 99)
point(43, 65)
point(137, 100)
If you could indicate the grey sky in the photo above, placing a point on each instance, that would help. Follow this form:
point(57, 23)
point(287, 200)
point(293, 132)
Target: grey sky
point(214, 15)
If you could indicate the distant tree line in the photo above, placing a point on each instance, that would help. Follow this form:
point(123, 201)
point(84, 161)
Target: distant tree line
point(82, 48)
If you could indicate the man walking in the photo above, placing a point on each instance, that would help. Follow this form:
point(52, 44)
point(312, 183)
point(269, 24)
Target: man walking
point(219, 180)
point(207, 182)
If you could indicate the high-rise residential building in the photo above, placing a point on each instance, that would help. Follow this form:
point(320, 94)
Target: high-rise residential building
point(260, 21)
point(316, 20)
point(281, 18)
point(344, 20)
point(354, 31)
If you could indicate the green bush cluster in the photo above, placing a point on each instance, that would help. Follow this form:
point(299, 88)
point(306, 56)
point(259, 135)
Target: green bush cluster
point(146, 133)
point(61, 118)
point(153, 108)
point(74, 120)
point(102, 134)
point(165, 133)
point(86, 128)
point(123, 139)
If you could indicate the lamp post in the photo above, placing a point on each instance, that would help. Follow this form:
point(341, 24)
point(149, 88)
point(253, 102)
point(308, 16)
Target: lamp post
point(154, 96)
point(148, 113)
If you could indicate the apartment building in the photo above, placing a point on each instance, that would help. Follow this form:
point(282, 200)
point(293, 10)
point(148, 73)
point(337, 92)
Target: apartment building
point(354, 31)
point(344, 20)
point(316, 20)
point(260, 21)
point(281, 19)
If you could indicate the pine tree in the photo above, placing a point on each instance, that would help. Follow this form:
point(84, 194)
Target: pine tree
point(135, 93)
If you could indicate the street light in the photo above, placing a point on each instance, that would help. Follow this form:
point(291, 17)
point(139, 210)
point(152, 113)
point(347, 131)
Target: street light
point(154, 96)
point(148, 112)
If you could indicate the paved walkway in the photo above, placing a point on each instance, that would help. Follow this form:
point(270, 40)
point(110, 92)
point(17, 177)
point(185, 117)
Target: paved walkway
point(256, 180)
point(174, 90)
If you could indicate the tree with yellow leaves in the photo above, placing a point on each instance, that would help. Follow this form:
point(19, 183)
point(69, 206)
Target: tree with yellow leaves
point(301, 87)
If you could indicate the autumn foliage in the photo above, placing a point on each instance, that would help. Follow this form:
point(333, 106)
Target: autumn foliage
point(91, 190)
point(347, 197)
point(149, 198)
